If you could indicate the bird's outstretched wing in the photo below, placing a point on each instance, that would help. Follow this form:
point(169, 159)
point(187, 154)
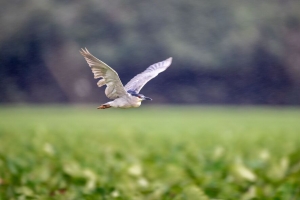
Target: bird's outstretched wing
point(138, 82)
point(109, 76)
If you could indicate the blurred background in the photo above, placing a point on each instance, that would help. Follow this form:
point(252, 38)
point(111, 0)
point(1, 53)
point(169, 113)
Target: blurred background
point(224, 52)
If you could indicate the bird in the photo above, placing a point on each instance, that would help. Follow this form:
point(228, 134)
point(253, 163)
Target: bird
point(127, 96)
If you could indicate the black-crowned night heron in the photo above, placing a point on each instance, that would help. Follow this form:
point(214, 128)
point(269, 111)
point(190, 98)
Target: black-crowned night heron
point(128, 96)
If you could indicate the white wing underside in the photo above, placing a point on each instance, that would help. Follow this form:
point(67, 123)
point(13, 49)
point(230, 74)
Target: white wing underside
point(109, 77)
point(138, 82)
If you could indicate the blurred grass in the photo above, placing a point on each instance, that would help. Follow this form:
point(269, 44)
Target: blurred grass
point(65, 152)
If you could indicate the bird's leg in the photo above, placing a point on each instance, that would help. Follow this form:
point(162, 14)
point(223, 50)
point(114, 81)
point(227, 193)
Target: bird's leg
point(104, 106)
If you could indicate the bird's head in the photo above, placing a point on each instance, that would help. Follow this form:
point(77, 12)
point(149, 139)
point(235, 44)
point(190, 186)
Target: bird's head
point(140, 96)
point(143, 97)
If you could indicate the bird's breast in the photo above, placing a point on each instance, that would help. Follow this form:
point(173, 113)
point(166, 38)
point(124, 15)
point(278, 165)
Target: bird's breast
point(134, 101)
point(137, 104)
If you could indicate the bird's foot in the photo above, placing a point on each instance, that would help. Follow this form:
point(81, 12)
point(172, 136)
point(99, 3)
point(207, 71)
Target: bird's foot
point(104, 106)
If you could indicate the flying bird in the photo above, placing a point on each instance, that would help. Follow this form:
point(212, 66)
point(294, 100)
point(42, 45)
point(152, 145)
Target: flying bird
point(127, 96)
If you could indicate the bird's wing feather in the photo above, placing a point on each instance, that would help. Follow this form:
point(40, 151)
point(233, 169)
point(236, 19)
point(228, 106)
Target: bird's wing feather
point(109, 77)
point(138, 82)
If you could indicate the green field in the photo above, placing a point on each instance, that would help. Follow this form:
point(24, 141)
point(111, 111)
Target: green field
point(149, 153)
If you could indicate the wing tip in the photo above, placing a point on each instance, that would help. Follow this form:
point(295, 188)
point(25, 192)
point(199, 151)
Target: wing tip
point(169, 61)
point(84, 51)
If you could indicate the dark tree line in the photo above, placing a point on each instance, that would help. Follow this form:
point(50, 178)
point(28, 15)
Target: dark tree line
point(228, 51)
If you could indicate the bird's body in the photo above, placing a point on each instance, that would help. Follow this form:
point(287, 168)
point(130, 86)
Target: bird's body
point(128, 96)
point(126, 101)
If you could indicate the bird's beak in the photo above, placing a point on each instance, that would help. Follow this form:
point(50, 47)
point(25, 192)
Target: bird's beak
point(148, 98)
